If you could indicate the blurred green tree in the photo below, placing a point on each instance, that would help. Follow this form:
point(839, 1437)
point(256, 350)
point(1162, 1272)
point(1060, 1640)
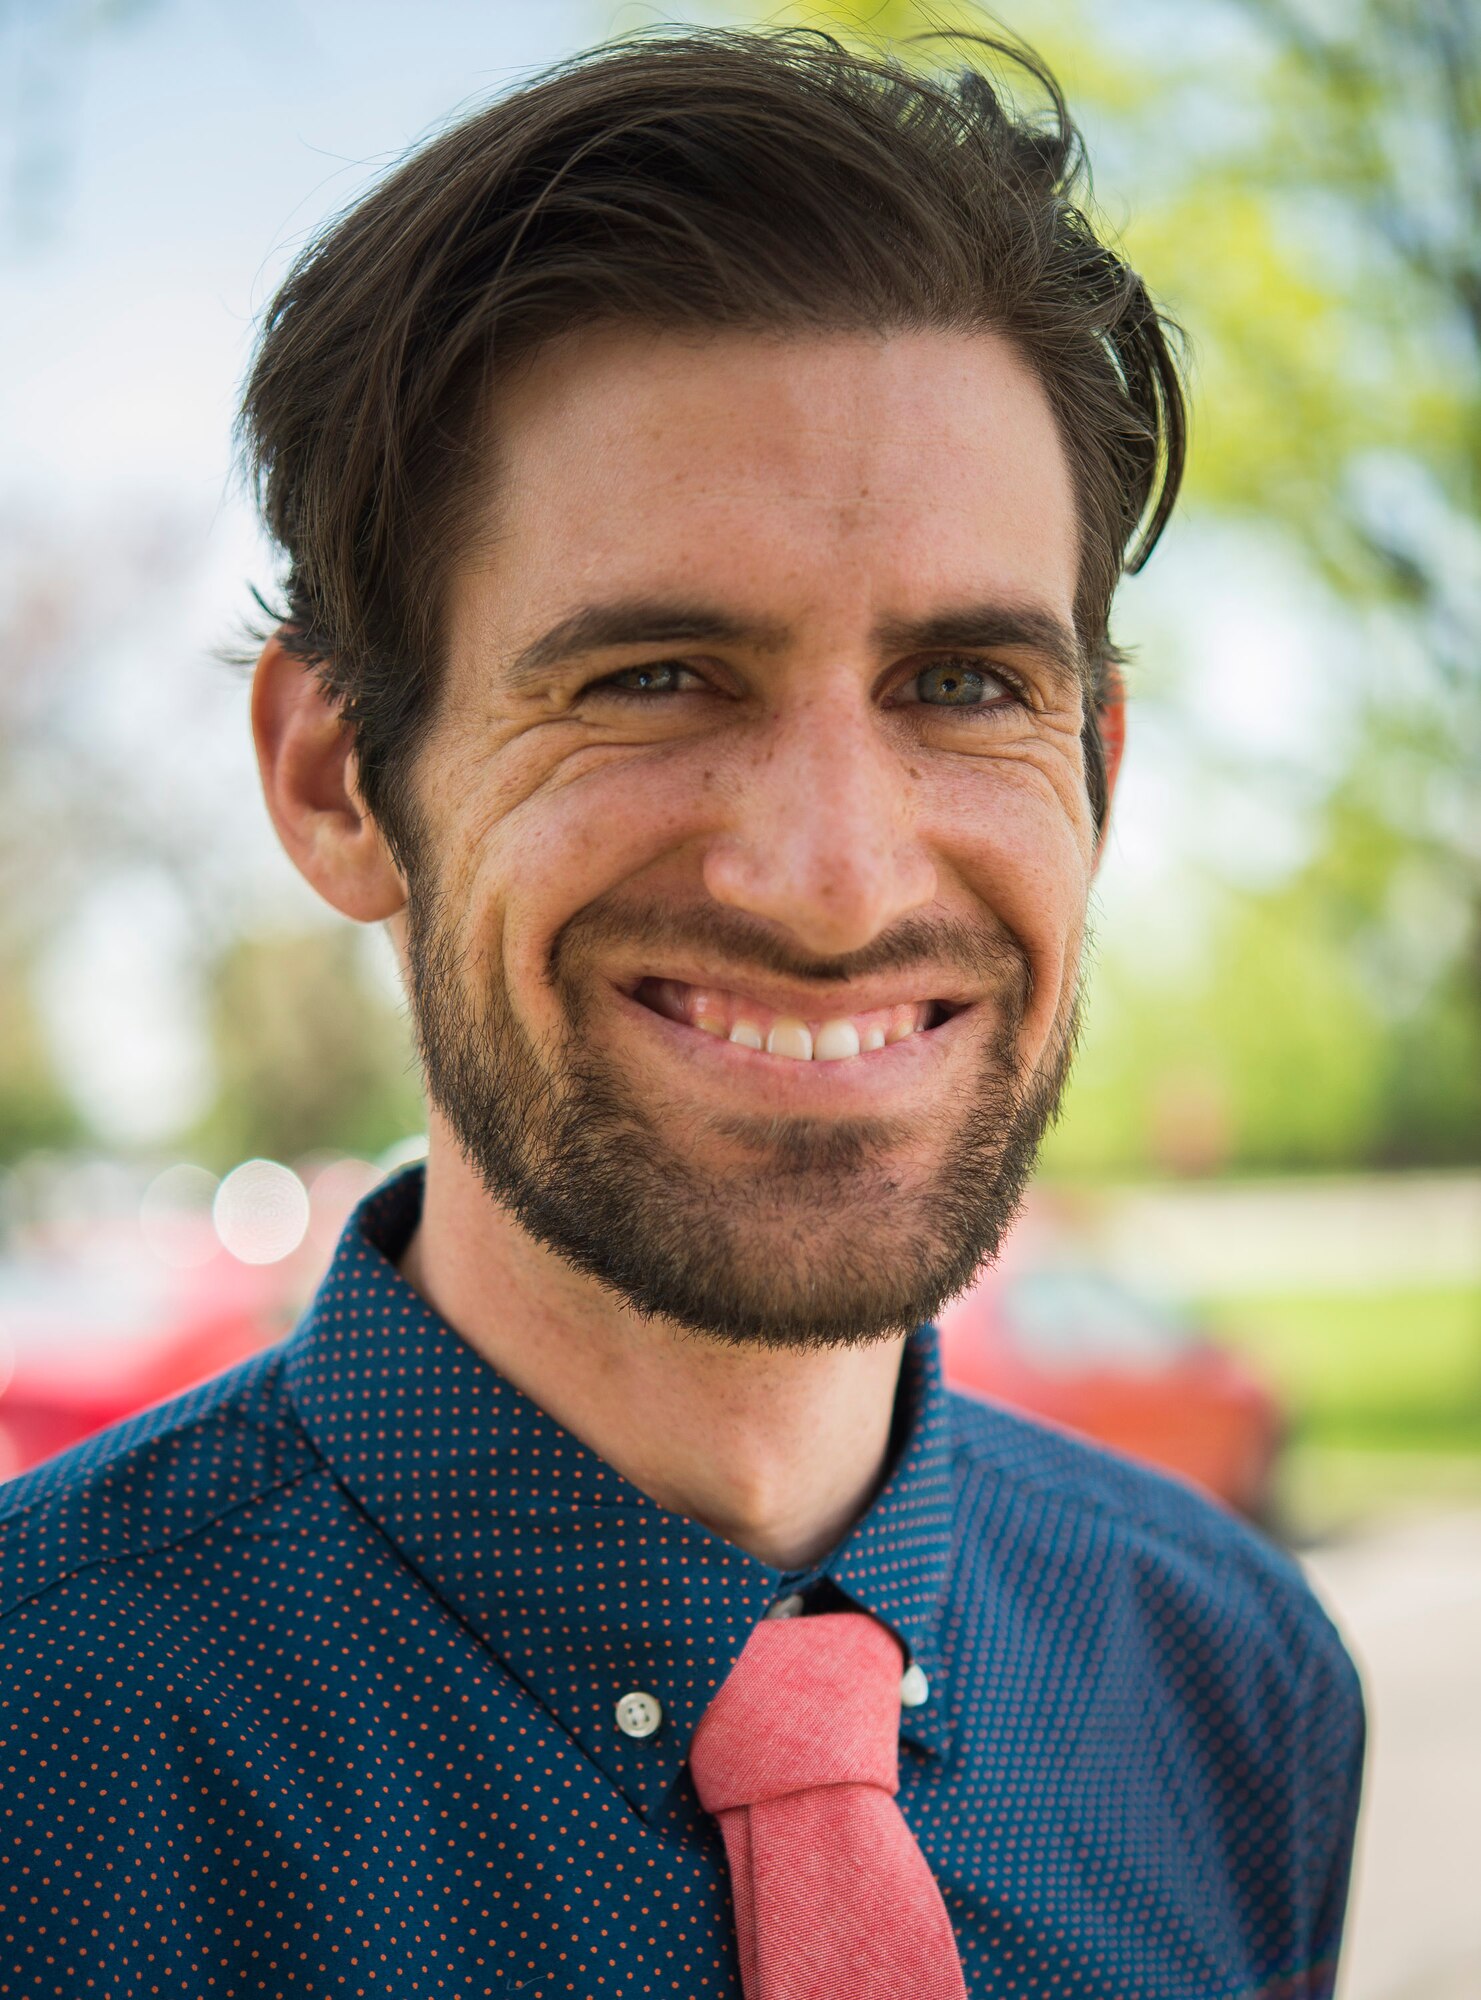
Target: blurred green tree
point(310, 1054)
point(1329, 256)
point(35, 1112)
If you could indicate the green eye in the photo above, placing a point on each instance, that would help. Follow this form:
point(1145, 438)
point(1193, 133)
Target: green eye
point(657, 679)
point(959, 684)
point(651, 679)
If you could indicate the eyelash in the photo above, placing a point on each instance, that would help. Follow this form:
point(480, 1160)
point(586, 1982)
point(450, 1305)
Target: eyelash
point(608, 683)
point(1012, 686)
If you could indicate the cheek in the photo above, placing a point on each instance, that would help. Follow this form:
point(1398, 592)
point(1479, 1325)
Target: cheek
point(1023, 854)
point(578, 837)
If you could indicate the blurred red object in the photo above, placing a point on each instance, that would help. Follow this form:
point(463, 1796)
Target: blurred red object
point(102, 1316)
point(86, 1341)
point(1073, 1347)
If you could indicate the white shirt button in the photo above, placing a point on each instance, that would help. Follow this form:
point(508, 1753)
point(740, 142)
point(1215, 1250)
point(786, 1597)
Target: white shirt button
point(639, 1714)
point(790, 1606)
point(914, 1687)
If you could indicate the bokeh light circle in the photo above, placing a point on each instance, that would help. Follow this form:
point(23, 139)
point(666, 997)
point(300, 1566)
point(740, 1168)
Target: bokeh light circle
point(402, 1154)
point(175, 1216)
point(339, 1186)
point(261, 1211)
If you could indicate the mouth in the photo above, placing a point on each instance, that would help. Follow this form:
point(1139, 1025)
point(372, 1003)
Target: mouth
point(748, 1023)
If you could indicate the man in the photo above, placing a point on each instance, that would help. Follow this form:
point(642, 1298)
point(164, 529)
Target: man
point(703, 476)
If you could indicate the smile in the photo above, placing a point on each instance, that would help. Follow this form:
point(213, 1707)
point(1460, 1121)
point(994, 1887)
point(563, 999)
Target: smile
point(749, 1023)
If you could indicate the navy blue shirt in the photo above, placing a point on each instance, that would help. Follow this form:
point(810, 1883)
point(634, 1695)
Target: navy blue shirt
point(309, 1685)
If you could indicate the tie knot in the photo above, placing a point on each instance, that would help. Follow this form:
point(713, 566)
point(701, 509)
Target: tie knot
point(811, 1701)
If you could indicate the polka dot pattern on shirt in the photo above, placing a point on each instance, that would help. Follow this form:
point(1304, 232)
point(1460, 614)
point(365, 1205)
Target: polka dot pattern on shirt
point(309, 1685)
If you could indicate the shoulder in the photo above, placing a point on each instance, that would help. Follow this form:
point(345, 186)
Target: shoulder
point(1007, 1460)
point(150, 1484)
point(1198, 1583)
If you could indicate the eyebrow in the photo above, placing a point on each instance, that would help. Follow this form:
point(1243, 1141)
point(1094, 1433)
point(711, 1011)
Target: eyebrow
point(983, 627)
point(635, 622)
point(657, 622)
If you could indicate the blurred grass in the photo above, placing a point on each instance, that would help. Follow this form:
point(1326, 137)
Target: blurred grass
point(1384, 1394)
point(1323, 1491)
point(1394, 1368)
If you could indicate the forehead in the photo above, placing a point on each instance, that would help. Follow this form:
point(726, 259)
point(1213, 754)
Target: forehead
point(886, 471)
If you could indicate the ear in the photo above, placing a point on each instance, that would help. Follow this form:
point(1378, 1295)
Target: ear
point(306, 758)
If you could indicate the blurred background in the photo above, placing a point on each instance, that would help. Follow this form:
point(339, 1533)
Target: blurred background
point(1254, 1252)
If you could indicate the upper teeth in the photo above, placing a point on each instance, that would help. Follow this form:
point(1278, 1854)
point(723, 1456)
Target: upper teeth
point(836, 1039)
point(738, 1019)
point(832, 1041)
point(791, 1038)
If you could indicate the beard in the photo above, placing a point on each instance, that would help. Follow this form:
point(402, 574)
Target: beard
point(811, 1234)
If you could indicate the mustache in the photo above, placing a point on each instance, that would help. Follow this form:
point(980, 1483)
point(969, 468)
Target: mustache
point(990, 954)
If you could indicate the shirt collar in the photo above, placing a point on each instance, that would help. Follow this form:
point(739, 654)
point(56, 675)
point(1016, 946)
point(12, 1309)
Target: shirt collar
point(582, 1586)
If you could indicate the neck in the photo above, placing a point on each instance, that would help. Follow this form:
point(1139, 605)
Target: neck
point(779, 1451)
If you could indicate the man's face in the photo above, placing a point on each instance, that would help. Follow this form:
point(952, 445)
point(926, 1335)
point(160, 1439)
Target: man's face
point(761, 732)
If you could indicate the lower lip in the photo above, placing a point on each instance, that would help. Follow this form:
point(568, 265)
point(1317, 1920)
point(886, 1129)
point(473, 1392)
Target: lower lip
point(864, 1081)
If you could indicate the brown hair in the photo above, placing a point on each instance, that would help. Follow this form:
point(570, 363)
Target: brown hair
point(767, 179)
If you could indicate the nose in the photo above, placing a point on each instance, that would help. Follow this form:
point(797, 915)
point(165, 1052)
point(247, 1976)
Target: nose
point(823, 840)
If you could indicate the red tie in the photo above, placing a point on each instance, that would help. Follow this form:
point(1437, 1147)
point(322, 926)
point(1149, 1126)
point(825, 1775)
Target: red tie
point(799, 1756)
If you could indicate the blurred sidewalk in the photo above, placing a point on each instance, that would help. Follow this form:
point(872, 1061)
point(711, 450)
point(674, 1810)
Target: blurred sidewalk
point(1407, 1596)
point(1327, 1234)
